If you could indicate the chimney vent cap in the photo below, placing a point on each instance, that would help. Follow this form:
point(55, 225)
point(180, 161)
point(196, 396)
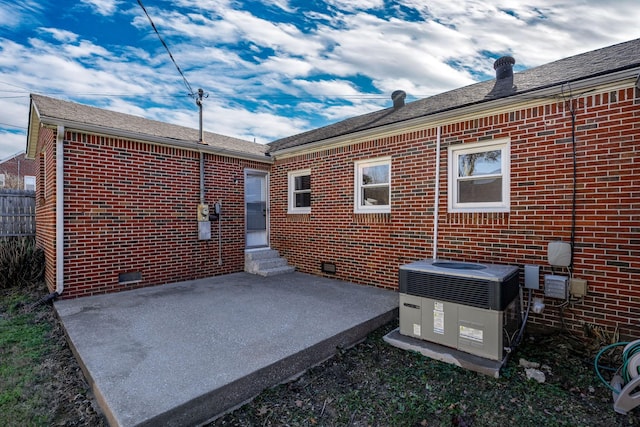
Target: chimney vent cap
point(505, 60)
point(398, 97)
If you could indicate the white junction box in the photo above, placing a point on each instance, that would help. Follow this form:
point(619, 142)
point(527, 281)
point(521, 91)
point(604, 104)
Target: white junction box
point(578, 287)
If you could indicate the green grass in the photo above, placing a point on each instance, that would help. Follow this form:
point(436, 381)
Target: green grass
point(23, 347)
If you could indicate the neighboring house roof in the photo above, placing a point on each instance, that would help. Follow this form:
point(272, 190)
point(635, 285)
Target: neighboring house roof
point(18, 164)
point(13, 156)
point(53, 112)
point(601, 62)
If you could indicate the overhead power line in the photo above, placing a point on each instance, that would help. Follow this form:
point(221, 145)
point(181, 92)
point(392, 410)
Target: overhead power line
point(186, 82)
point(13, 126)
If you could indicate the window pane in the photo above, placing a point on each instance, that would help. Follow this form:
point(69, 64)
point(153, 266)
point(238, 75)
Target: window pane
point(480, 190)
point(375, 174)
point(30, 183)
point(375, 196)
point(254, 188)
point(477, 164)
point(303, 182)
point(303, 200)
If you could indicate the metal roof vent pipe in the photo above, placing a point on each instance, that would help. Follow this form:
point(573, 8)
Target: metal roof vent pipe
point(504, 78)
point(398, 97)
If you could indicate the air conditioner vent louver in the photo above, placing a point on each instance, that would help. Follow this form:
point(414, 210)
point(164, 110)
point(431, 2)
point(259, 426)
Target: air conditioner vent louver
point(481, 292)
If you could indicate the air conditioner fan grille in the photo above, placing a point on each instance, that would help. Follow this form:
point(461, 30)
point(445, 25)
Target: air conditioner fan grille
point(475, 292)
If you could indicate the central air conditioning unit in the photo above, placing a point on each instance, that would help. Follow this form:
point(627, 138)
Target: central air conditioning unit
point(471, 307)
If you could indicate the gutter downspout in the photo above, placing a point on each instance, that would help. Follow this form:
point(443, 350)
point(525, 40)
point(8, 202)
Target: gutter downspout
point(60, 210)
point(436, 202)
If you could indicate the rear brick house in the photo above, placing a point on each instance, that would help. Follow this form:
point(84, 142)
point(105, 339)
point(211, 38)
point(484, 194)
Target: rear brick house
point(123, 192)
point(492, 172)
point(17, 172)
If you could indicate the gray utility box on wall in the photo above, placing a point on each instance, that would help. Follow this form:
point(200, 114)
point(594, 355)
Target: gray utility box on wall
point(467, 306)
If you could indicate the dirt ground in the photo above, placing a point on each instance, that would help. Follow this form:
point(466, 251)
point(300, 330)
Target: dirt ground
point(62, 386)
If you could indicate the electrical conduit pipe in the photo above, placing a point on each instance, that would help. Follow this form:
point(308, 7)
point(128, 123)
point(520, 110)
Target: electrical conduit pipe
point(436, 201)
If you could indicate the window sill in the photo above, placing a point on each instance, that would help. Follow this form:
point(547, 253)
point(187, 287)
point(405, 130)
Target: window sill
point(372, 210)
point(480, 210)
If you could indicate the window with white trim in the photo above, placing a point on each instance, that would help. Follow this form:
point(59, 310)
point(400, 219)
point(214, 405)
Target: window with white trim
point(30, 183)
point(479, 177)
point(373, 186)
point(2, 180)
point(300, 191)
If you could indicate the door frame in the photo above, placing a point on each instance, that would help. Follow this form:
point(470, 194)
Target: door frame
point(265, 175)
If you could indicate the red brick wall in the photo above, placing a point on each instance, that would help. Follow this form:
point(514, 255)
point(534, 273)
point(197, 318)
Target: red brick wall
point(45, 202)
point(15, 169)
point(369, 248)
point(132, 207)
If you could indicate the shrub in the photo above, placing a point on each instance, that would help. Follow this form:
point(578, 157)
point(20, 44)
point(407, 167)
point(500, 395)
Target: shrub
point(21, 262)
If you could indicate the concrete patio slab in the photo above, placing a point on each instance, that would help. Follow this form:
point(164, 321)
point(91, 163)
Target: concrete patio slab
point(181, 354)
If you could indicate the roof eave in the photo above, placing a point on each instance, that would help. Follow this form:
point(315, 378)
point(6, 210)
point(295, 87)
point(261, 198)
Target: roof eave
point(32, 131)
point(439, 117)
point(136, 136)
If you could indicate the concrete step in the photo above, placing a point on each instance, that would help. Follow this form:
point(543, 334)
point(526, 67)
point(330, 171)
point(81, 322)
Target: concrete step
point(261, 254)
point(266, 262)
point(263, 264)
point(277, 270)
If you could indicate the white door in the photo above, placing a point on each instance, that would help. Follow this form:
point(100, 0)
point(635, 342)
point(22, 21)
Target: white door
point(256, 209)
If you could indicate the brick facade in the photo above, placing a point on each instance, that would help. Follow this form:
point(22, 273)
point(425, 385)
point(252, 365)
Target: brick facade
point(369, 248)
point(45, 202)
point(132, 207)
point(14, 169)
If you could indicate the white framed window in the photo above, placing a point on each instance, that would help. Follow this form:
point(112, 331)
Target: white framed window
point(2, 180)
point(373, 186)
point(479, 177)
point(30, 183)
point(300, 191)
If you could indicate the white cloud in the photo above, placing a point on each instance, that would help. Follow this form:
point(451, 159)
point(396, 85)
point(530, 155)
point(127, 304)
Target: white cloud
point(281, 4)
point(14, 113)
point(62, 36)
point(327, 88)
point(354, 5)
point(103, 7)
point(394, 50)
point(341, 112)
point(45, 68)
point(537, 32)
point(15, 14)
point(11, 143)
point(281, 37)
point(237, 122)
point(287, 66)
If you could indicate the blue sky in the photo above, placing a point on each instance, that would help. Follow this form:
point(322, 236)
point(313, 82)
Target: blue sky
point(278, 67)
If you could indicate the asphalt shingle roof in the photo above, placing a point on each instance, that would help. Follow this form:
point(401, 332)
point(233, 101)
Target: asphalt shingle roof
point(591, 64)
point(80, 114)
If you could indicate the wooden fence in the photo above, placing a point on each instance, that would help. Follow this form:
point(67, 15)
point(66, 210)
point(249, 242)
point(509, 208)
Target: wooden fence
point(17, 213)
